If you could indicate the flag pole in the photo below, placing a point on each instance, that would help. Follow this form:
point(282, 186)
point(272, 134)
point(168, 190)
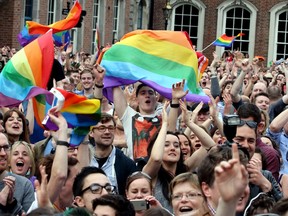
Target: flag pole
point(207, 46)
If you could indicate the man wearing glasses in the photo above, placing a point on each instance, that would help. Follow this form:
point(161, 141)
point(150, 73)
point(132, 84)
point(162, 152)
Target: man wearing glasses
point(115, 164)
point(89, 184)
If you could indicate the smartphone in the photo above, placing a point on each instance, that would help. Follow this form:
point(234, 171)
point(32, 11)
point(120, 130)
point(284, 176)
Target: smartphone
point(140, 204)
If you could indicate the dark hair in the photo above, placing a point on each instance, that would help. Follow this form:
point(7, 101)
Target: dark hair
point(139, 87)
point(25, 134)
point(189, 141)
point(47, 161)
point(215, 156)
point(258, 95)
point(79, 180)
point(281, 207)
point(164, 176)
point(158, 211)
point(263, 201)
point(105, 117)
point(121, 205)
point(247, 110)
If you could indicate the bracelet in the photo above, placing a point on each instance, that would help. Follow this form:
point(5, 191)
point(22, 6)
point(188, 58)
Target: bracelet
point(62, 143)
point(99, 86)
point(174, 105)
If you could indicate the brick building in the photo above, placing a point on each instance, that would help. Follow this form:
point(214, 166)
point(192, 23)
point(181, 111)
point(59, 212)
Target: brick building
point(263, 22)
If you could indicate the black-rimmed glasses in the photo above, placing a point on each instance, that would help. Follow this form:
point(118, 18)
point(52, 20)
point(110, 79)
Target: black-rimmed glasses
point(97, 188)
point(103, 128)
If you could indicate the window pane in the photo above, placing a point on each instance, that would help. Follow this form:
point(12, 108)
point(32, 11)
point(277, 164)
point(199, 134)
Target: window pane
point(237, 20)
point(281, 37)
point(282, 16)
point(187, 19)
point(281, 26)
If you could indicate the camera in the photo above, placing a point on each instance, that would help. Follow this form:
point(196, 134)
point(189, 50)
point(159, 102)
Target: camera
point(230, 126)
point(140, 204)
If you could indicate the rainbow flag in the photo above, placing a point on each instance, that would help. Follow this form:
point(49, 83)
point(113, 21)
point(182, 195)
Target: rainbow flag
point(69, 22)
point(79, 112)
point(202, 64)
point(25, 38)
point(226, 41)
point(157, 58)
point(26, 75)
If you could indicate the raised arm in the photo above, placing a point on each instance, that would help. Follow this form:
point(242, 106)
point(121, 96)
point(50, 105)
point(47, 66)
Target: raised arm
point(278, 123)
point(231, 179)
point(99, 73)
point(207, 142)
point(177, 93)
point(154, 163)
point(59, 169)
point(236, 88)
point(119, 100)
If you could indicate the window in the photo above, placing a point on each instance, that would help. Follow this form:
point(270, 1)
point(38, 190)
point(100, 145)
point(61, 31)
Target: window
point(95, 23)
point(73, 38)
point(187, 19)
point(115, 20)
point(235, 17)
point(238, 20)
point(28, 10)
point(278, 34)
point(189, 16)
point(140, 15)
point(51, 12)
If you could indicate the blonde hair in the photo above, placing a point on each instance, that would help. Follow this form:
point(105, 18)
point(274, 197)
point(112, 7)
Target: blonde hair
point(30, 154)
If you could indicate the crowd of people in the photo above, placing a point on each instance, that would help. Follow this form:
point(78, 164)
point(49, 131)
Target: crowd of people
point(149, 155)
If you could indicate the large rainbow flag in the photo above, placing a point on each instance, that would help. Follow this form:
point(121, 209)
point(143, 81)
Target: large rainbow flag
point(26, 75)
point(157, 58)
point(69, 22)
point(226, 41)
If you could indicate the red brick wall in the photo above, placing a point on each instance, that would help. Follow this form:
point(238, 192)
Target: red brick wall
point(10, 13)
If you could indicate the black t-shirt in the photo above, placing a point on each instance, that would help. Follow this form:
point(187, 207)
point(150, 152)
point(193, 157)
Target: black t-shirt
point(57, 73)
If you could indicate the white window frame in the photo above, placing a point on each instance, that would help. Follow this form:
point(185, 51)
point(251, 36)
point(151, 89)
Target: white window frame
point(275, 11)
point(221, 23)
point(115, 31)
point(51, 12)
point(96, 15)
point(201, 18)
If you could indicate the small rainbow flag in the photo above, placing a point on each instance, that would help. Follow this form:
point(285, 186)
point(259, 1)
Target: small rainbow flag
point(77, 110)
point(226, 41)
point(25, 38)
point(26, 75)
point(69, 22)
point(157, 58)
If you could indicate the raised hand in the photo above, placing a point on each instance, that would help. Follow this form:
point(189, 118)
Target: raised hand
point(178, 90)
point(57, 118)
point(41, 189)
point(164, 112)
point(231, 177)
point(99, 73)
